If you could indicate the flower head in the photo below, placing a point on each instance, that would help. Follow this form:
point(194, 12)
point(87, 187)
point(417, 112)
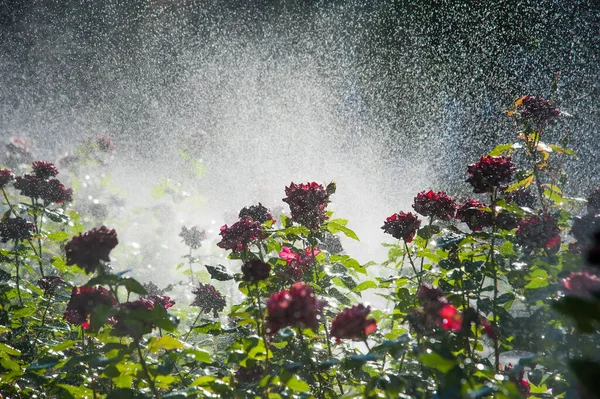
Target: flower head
point(536, 109)
point(237, 236)
point(49, 284)
point(489, 173)
point(584, 227)
point(83, 302)
point(255, 270)
point(297, 307)
point(436, 205)
point(522, 197)
point(258, 213)
point(53, 191)
point(402, 226)
point(104, 143)
point(352, 323)
point(28, 185)
point(208, 299)
point(537, 232)
point(87, 250)
point(134, 319)
point(192, 237)
point(471, 213)
point(161, 300)
point(506, 220)
point(6, 176)
point(44, 170)
point(308, 203)
point(16, 229)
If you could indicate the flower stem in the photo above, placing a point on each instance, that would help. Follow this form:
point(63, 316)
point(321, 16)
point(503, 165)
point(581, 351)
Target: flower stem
point(191, 269)
point(146, 372)
point(192, 326)
point(18, 279)
point(261, 322)
point(412, 263)
point(495, 276)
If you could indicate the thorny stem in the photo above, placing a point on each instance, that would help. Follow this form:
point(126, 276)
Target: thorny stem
point(425, 246)
point(534, 152)
point(495, 276)
point(146, 372)
point(331, 354)
point(309, 354)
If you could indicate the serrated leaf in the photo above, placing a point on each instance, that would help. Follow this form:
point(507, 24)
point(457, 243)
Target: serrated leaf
point(165, 342)
point(499, 149)
point(219, 273)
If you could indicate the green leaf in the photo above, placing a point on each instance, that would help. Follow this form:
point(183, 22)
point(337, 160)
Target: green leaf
point(521, 183)
point(9, 350)
point(428, 231)
point(297, 385)
point(499, 149)
point(339, 225)
point(219, 273)
point(365, 285)
point(165, 342)
point(436, 361)
point(58, 236)
point(199, 355)
point(563, 150)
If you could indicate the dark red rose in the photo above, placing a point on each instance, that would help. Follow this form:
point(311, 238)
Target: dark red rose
point(489, 173)
point(258, 213)
point(436, 205)
point(132, 318)
point(297, 307)
point(16, 229)
point(6, 176)
point(44, 170)
point(240, 234)
point(537, 109)
point(255, 270)
point(53, 191)
point(83, 302)
point(522, 197)
point(506, 220)
point(28, 185)
point(161, 300)
point(192, 237)
point(471, 213)
point(537, 232)
point(49, 284)
point(104, 144)
point(208, 299)
point(402, 226)
point(452, 319)
point(308, 203)
point(593, 201)
point(352, 323)
point(431, 298)
point(87, 250)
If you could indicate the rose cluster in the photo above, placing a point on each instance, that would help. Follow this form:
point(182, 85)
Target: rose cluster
point(538, 232)
point(239, 235)
point(88, 250)
point(402, 226)
point(352, 323)
point(308, 203)
point(258, 213)
point(490, 173)
point(537, 109)
point(298, 263)
point(473, 215)
point(435, 205)
point(42, 185)
point(208, 299)
point(297, 307)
